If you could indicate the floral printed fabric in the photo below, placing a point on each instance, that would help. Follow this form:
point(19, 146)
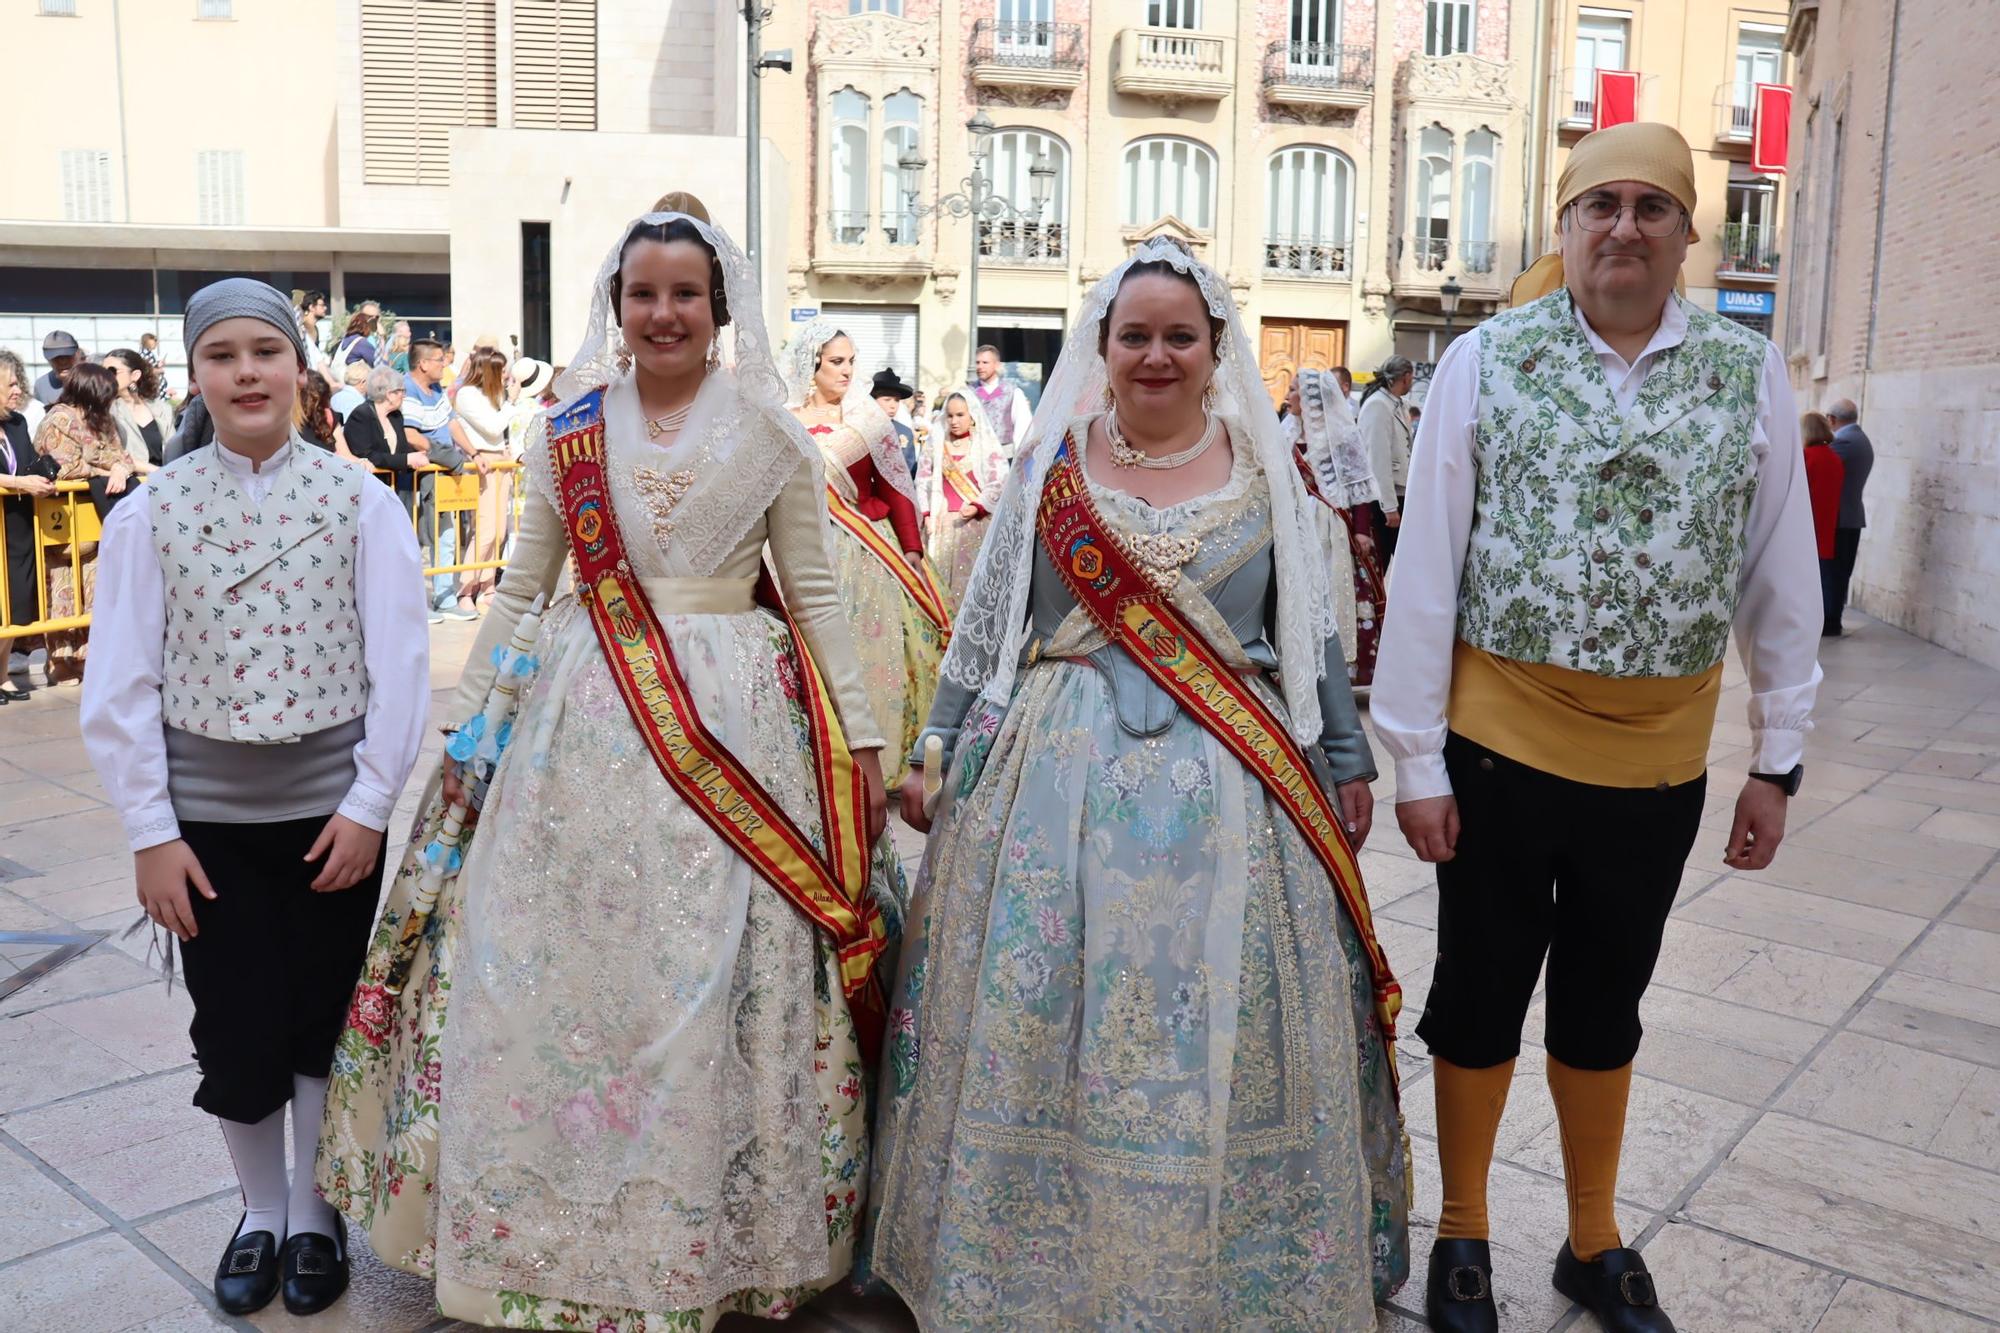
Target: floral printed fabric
point(899, 649)
point(1604, 542)
point(621, 1090)
point(1133, 1078)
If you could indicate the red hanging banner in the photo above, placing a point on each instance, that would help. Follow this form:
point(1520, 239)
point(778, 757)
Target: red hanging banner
point(1771, 129)
point(1617, 98)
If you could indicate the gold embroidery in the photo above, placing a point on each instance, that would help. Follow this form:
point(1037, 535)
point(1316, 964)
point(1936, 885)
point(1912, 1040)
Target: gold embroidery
point(661, 492)
point(1160, 556)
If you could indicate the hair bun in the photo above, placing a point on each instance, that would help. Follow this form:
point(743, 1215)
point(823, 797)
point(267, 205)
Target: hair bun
point(680, 201)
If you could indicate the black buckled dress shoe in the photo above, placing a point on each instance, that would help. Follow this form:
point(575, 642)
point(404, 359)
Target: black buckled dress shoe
point(315, 1269)
point(247, 1277)
point(1616, 1288)
point(1458, 1298)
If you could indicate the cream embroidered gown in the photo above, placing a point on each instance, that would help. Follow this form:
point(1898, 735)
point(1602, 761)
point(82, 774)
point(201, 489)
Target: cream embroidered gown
point(622, 1090)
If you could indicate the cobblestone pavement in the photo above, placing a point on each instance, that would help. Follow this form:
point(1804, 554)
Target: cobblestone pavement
point(1814, 1140)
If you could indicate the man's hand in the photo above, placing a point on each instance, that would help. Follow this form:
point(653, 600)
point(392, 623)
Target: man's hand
point(1357, 810)
point(418, 459)
point(1430, 826)
point(350, 850)
point(1759, 825)
point(870, 764)
point(1394, 518)
point(483, 462)
point(164, 873)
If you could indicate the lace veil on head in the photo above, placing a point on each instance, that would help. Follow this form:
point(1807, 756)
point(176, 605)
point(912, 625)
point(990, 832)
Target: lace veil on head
point(992, 620)
point(857, 409)
point(747, 358)
point(1333, 441)
point(985, 458)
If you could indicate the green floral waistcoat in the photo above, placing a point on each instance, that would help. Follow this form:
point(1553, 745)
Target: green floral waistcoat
point(1603, 541)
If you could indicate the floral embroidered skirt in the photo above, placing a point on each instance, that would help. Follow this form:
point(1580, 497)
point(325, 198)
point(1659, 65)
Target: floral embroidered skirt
point(1134, 1080)
point(954, 548)
point(900, 650)
point(621, 1090)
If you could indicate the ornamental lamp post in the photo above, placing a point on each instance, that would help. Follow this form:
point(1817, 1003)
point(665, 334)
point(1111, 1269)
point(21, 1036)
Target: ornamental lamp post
point(1448, 302)
point(977, 200)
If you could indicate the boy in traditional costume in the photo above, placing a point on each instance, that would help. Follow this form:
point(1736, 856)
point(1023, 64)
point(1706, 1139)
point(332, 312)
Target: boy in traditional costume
point(261, 677)
point(1608, 480)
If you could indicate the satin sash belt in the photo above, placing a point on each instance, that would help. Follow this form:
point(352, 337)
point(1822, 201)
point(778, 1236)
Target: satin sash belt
point(701, 597)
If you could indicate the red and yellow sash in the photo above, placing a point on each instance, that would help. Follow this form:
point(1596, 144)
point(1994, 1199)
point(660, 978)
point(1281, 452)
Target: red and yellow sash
point(1368, 581)
point(920, 585)
point(831, 890)
point(958, 479)
point(1109, 586)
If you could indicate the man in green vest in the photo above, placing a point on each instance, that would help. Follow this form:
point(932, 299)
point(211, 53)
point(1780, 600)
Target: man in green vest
point(1607, 483)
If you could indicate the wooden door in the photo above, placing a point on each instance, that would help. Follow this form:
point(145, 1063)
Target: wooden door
point(1286, 348)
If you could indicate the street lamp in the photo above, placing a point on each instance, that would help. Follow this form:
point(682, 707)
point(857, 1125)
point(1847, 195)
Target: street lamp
point(977, 199)
point(1448, 302)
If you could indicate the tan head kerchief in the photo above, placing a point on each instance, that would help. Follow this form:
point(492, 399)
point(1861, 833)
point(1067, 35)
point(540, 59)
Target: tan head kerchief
point(1639, 151)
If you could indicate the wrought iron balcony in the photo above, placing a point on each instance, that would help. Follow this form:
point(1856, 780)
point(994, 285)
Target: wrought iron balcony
point(1173, 66)
point(1318, 74)
point(1735, 113)
point(1749, 250)
point(1575, 100)
point(1478, 256)
point(845, 227)
point(1019, 241)
point(1306, 257)
point(1430, 254)
point(1027, 55)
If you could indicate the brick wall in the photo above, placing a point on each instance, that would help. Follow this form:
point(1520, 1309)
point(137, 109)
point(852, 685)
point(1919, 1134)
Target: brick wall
point(1929, 388)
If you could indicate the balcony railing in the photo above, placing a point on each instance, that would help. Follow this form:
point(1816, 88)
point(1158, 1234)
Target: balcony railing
point(1306, 257)
point(1735, 116)
point(1575, 101)
point(1479, 256)
point(1015, 241)
point(1173, 65)
point(850, 228)
point(1028, 46)
point(1750, 250)
point(1430, 254)
point(1318, 72)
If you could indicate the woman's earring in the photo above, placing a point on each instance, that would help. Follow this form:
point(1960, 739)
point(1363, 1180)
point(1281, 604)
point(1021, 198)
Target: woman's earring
point(620, 353)
point(1208, 396)
point(1110, 398)
point(715, 354)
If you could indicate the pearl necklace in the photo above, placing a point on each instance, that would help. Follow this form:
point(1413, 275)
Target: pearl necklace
point(1124, 455)
point(667, 423)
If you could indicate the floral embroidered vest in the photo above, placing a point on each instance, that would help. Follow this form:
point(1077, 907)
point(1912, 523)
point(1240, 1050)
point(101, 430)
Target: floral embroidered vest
point(263, 638)
point(1602, 541)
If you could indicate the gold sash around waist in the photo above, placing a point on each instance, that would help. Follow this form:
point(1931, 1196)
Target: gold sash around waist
point(1638, 731)
point(701, 597)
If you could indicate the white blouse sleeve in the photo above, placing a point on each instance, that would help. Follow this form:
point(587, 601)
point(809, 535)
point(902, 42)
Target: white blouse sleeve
point(395, 652)
point(120, 715)
point(1413, 675)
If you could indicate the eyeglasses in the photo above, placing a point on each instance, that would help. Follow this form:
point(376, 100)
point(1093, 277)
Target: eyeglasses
point(1654, 215)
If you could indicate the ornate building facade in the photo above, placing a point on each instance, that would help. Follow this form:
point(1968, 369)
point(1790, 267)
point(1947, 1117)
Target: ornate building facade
point(1340, 161)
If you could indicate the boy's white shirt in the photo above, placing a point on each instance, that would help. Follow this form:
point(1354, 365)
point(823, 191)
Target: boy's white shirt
point(121, 716)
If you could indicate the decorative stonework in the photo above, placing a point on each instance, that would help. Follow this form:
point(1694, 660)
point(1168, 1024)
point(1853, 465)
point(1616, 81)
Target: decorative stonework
point(1454, 81)
point(1341, 117)
point(1169, 226)
point(864, 43)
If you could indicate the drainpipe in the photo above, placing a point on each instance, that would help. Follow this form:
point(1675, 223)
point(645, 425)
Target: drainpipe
point(1881, 183)
point(1538, 162)
point(118, 71)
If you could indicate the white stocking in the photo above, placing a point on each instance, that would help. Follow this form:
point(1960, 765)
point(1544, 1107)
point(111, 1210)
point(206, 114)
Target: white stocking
point(309, 1212)
point(258, 1149)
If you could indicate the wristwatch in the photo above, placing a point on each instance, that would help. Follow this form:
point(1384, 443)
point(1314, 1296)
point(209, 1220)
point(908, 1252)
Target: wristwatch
point(1788, 782)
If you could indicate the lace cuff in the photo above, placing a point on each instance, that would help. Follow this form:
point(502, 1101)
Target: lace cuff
point(368, 807)
point(152, 826)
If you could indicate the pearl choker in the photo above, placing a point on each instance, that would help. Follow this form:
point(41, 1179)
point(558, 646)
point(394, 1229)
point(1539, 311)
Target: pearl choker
point(1124, 455)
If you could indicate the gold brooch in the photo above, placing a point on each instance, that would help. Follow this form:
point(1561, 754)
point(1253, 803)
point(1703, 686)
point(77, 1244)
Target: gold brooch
point(1161, 555)
point(662, 491)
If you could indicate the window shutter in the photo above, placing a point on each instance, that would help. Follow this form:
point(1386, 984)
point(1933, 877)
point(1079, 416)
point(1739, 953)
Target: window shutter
point(426, 66)
point(219, 187)
point(555, 64)
point(86, 185)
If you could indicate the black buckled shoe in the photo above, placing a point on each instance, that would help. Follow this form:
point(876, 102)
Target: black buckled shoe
point(247, 1277)
point(1458, 1298)
point(1615, 1287)
point(315, 1269)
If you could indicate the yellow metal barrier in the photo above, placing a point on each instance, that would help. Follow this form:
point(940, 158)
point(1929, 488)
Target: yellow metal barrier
point(67, 531)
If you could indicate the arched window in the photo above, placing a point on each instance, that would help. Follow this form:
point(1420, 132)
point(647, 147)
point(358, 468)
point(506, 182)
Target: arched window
point(1309, 212)
point(1034, 237)
point(1432, 206)
point(1475, 200)
point(847, 195)
point(901, 112)
point(1165, 176)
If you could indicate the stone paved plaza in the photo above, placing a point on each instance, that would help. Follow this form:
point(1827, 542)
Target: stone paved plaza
point(1814, 1139)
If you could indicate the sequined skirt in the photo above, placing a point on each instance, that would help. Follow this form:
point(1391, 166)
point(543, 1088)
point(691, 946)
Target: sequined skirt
point(899, 649)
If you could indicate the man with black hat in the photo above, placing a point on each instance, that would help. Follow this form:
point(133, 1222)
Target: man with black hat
point(890, 394)
point(59, 349)
point(1608, 483)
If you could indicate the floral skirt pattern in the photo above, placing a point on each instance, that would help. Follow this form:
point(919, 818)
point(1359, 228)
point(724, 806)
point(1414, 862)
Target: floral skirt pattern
point(954, 549)
point(1134, 1078)
point(900, 650)
point(621, 1090)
